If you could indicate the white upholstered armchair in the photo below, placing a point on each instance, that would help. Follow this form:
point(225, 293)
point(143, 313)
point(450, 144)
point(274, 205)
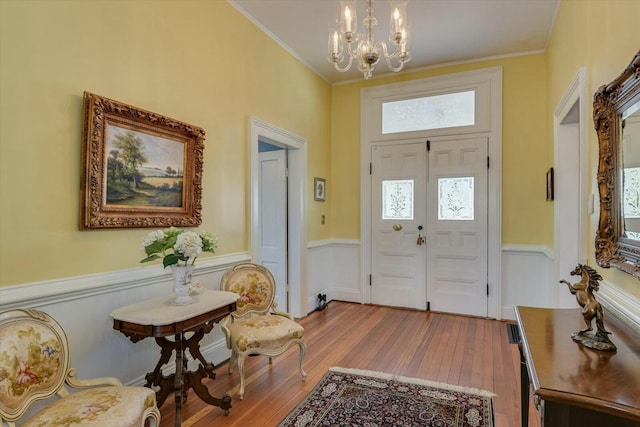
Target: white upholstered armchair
point(257, 326)
point(34, 365)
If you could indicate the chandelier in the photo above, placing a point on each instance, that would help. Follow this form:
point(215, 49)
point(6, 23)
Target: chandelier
point(363, 47)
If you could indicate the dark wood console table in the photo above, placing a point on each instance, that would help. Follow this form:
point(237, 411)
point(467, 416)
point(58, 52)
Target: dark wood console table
point(574, 385)
point(159, 319)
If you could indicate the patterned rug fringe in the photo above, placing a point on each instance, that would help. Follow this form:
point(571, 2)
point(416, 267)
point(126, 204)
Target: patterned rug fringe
point(408, 380)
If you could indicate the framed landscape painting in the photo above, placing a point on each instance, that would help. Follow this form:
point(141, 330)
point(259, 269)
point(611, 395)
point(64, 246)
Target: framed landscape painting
point(140, 169)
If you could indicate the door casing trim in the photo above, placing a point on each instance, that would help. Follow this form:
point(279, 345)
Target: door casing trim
point(563, 117)
point(297, 206)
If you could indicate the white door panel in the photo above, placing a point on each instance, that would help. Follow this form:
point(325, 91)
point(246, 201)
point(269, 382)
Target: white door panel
point(457, 226)
point(398, 190)
point(272, 251)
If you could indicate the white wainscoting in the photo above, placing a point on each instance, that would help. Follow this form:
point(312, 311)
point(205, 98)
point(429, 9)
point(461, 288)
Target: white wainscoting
point(623, 305)
point(334, 270)
point(527, 278)
point(82, 305)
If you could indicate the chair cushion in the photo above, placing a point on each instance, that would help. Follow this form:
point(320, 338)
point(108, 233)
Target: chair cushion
point(97, 407)
point(268, 332)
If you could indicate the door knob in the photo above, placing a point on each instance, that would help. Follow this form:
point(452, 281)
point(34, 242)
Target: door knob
point(397, 227)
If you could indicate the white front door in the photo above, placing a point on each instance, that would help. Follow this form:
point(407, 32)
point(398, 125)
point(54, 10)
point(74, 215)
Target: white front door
point(457, 224)
point(272, 248)
point(437, 191)
point(398, 191)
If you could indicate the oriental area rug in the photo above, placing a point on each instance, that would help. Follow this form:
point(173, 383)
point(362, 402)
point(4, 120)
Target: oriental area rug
point(352, 397)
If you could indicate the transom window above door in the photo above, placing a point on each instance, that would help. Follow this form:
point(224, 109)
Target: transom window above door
point(429, 112)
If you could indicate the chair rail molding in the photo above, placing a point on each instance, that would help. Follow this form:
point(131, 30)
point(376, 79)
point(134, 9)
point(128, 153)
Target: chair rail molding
point(38, 294)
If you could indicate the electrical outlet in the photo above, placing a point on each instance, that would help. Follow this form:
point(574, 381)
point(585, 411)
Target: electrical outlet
point(322, 219)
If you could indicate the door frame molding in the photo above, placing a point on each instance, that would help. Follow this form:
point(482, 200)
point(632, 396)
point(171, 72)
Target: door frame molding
point(575, 95)
point(297, 206)
point(370, 100)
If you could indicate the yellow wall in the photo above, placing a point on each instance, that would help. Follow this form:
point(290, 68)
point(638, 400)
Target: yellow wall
point(524, 147)
point(596, 34)
point(603, 37)
point(199, 62)
point(178, 59)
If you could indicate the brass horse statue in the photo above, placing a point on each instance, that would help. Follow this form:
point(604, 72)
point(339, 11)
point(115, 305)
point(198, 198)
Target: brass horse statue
point(591, 308)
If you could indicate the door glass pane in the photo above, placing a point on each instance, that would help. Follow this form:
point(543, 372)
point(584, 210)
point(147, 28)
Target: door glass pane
point(431, 112)
point(455, 198)
point(397, 199)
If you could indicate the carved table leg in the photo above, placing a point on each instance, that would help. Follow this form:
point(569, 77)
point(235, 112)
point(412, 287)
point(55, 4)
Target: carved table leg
point(178, 384)
point(195, 381)
point(206, 369)
point(156, 378)
point(193, 344)
point(182, 380)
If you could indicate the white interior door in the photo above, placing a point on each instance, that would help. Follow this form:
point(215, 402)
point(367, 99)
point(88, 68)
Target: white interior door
point(457, 226)
point(397, 211)
point(272, 250)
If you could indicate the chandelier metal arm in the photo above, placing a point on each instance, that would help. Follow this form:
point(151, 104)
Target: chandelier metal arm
point(397, 53)
point(337, 59)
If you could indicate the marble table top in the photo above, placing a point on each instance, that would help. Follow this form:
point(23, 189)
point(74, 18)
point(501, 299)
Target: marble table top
point(160, 311)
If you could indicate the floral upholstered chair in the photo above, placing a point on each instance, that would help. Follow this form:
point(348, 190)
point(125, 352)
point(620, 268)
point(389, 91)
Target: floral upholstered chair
point(34, 365)
point(257, 326)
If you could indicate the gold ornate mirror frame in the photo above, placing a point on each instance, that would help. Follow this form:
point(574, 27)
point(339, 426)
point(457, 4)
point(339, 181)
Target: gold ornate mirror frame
point(613, 248)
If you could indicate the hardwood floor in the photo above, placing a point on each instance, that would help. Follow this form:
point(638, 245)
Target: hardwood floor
point(466, 351)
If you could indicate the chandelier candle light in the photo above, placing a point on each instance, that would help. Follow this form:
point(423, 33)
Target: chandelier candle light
point(363, 47)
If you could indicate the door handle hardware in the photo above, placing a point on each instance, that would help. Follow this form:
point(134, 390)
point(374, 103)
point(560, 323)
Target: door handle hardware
point(397, 227)
point(420, 238)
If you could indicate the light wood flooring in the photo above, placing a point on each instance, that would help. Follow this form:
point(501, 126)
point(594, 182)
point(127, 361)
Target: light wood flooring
point(465, 351)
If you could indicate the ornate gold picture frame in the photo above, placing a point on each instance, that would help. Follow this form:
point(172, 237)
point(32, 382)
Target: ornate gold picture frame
point(140, 169)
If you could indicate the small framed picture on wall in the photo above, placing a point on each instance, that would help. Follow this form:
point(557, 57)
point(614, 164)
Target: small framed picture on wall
point(320, 185)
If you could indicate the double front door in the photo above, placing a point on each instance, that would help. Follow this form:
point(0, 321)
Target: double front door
point(429, 225)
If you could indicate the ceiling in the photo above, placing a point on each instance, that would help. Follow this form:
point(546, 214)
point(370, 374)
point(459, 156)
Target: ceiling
point(442, 31)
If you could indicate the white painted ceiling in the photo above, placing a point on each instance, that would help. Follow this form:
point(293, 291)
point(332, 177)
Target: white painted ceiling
point(442, 31)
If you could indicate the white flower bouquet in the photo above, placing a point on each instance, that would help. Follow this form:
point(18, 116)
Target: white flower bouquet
point(176, 246)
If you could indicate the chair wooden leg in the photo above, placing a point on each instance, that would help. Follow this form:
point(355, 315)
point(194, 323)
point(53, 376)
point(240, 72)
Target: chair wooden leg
point(241, 372)
point(231, 360)
point(303, 350)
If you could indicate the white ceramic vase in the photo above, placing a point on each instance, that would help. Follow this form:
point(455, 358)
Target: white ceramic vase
point(182, 284)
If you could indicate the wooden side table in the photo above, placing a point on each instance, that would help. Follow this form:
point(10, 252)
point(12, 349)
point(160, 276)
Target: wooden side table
point(159, 319)
point(574, 385)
